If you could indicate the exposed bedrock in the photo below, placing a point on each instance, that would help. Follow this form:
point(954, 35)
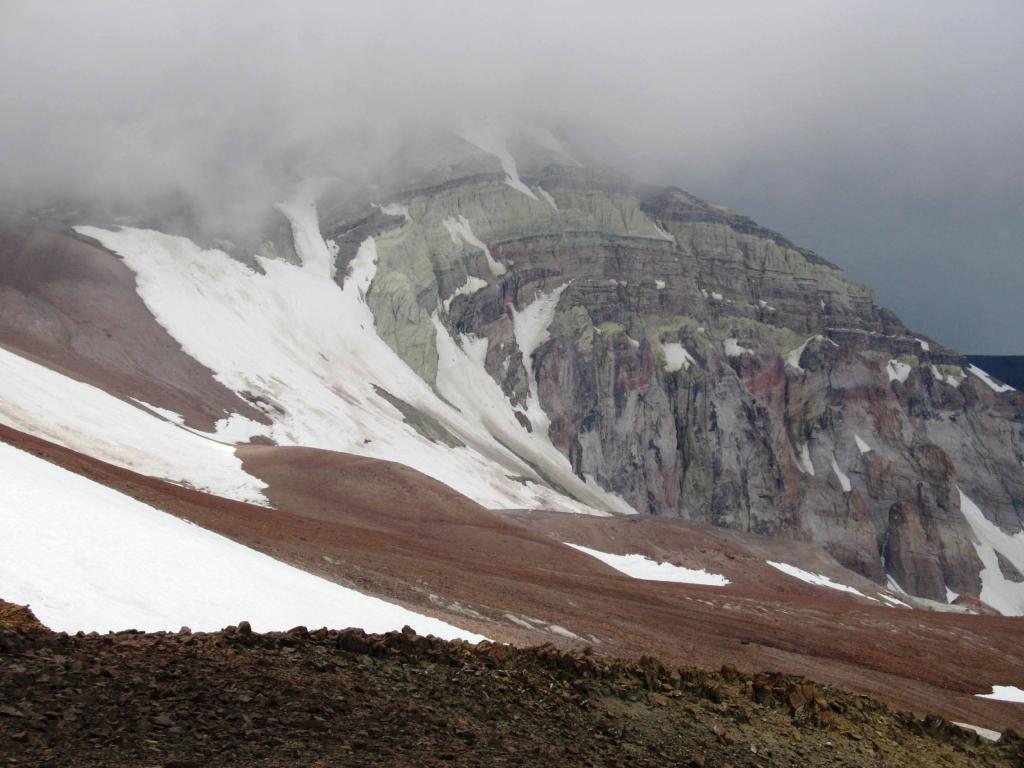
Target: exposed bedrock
point(700, 365)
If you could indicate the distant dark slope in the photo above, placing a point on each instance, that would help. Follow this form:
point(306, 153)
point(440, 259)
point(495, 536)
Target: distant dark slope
point(1007, 368)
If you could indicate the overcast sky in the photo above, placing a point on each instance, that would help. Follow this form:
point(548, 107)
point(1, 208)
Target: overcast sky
point(887, 136)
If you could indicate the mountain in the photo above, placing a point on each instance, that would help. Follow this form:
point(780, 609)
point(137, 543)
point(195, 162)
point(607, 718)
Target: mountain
point(496, 392)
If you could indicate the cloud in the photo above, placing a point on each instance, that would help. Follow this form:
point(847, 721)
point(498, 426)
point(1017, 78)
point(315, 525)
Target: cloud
point(227, 101)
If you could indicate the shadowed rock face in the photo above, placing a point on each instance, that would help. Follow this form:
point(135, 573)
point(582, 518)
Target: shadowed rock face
point(803, 409)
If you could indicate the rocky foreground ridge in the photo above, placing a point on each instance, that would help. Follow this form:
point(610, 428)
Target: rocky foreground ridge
point(346, 698)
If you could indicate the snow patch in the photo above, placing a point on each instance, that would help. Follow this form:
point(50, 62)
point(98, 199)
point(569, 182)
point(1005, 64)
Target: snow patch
point(664, 232)
point(1004, 693)
point(844, 480)
point(994, 385)
point(491, 141)
point(642, 567)
point(86, 557)
point(236, 429)
point(547, 197)
point(925, 346)
point(952, 380)
point(804, 460)
point(985, 733)
point(1004, 595)
point(734, 349)
point(816, 578)
point(468, 288)
point(459, 228)
point(892, 600)
point(793, 357)
point(531, 327)
point(676, 357)
point(314, 253)
point(717, 296)
point(659, 284)
point(891, 583)
point(897, 371)
point(561, 631)
point(861, 445)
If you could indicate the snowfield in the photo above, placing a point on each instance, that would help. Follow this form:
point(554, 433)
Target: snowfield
point(317, 360)
point(642, 567)
point(1004, 693)
point(42, 402)
point(86, 557)
point(816, 579)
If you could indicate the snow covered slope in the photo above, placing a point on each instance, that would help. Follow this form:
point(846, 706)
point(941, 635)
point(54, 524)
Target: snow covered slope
point(310, 352)
point(43, 402)
point(87, 557)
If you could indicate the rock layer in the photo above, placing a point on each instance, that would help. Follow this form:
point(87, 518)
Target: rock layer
point(802, 408)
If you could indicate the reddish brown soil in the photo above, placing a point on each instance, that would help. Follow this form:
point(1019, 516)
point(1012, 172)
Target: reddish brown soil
point(74, 307)
point(392, 532)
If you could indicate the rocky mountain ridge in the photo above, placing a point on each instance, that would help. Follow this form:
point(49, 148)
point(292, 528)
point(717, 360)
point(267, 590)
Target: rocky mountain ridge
point(697, 364)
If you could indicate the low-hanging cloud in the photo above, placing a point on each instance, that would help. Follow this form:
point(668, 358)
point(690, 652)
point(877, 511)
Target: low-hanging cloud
point(229, 101)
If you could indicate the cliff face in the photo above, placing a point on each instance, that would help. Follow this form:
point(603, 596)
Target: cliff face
point(694, 363)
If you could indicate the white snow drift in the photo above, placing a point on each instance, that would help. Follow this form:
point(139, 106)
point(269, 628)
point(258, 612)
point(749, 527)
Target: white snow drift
point(898, 371)
point(1004, 595)
point(842, 477)
point(676, 357)
point(42, 402)
point(815, 578)
point(985, 733)
point(992, 384)
point(642, 567)
point(1004, 693)
point(460, 230)
point(492, 141)
point(86, 557)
